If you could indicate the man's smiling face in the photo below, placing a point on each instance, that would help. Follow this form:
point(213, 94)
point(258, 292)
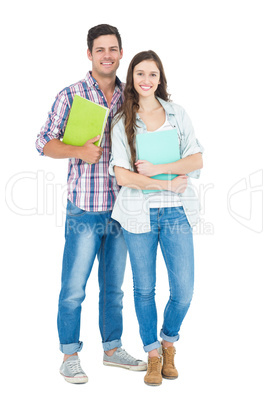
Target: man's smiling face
point(105, 56)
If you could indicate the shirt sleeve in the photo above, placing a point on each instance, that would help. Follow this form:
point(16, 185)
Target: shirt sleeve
point(189, 143)
point(56, 122)
point(120, 152)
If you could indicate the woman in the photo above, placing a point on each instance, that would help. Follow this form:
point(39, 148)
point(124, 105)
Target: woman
point(165, 216)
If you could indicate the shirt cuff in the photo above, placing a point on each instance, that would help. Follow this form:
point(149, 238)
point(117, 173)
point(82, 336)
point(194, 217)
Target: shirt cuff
point(120, 163)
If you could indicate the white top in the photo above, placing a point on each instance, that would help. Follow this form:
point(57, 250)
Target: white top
point(163, 199)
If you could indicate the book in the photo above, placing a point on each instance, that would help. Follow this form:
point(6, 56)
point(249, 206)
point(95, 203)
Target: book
point(86, 120)
point(159, 147)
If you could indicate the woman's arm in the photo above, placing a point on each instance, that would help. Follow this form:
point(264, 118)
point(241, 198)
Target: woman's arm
point(191, 153)
point(182, 166)
point(126, 178)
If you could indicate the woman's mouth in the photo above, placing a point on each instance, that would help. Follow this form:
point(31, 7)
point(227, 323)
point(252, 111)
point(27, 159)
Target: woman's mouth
point(145, 87)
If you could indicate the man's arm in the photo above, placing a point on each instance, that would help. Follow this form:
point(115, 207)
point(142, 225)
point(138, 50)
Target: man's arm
point(49, 139)
point(89, 152)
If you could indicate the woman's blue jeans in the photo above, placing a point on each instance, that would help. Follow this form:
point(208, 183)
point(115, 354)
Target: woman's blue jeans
point(91, 234)
point(169, 228)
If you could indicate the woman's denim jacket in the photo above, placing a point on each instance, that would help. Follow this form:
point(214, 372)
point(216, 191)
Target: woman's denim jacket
point(132, 208)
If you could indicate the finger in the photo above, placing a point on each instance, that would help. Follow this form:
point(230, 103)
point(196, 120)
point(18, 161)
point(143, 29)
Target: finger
point(94, 139)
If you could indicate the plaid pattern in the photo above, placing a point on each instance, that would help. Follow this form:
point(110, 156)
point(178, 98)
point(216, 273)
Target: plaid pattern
point(90, 187)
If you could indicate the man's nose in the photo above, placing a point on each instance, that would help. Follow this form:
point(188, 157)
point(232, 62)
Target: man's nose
point(107, 54)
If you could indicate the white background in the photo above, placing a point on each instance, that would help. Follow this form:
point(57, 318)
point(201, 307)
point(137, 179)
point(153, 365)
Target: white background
point(215, 57)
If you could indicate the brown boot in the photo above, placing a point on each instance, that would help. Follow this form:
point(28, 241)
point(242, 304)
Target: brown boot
point(169, 370)
point(153, 375)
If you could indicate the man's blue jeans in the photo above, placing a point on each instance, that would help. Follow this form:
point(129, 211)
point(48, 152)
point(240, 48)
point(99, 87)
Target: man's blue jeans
point(170, 228)
point(89, 234)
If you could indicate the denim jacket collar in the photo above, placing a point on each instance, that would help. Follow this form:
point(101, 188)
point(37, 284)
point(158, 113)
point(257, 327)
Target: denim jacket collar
point(171, 116)
point(166, 105)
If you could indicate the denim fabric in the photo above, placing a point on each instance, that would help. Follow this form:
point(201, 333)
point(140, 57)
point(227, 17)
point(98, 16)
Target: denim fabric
point(89, 234)
point(170, 228)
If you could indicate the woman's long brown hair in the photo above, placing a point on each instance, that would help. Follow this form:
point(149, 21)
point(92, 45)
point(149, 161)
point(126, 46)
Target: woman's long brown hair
point(131, 99)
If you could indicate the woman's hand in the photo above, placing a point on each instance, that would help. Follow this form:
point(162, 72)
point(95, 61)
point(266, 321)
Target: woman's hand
point(179, 184)
point(147, 168)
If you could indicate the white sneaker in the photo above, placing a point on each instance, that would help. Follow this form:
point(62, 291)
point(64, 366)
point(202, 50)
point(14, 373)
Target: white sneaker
point(72, 371)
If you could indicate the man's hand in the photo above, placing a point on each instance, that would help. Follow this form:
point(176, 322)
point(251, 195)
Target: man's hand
point(91, 153)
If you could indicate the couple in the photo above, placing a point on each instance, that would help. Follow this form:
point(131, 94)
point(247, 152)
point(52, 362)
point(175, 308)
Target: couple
point(95, 200)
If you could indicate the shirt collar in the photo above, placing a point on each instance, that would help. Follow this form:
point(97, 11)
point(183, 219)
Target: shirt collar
point(93, 83)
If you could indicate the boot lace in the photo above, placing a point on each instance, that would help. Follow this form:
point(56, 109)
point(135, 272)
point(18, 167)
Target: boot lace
point(154, 365)
point(169, 357)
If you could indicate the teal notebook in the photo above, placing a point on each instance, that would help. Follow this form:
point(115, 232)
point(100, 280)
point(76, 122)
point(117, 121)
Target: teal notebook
point(86, 120)
point(159, 147)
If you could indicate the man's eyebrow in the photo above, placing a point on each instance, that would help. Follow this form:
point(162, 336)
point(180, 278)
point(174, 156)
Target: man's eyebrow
point(111, 47)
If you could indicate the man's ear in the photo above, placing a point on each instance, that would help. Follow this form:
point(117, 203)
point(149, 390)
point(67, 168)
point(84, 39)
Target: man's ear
point(89, 55)
point(121, 54)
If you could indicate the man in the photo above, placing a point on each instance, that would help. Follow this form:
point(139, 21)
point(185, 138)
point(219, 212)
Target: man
point(89, 229)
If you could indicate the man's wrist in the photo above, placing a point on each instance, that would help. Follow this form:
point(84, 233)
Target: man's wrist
point(77, 152)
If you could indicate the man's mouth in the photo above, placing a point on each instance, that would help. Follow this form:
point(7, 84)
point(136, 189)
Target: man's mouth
point(107, 63)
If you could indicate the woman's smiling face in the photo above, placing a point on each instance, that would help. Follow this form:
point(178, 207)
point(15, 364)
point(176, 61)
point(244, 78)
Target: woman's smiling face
point(146, 78)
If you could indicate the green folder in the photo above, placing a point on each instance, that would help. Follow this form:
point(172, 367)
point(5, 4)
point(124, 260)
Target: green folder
point(86, 120)
point(159, 147)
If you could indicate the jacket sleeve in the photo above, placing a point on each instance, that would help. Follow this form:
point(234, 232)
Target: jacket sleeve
point(189, 143)
point(120, 152)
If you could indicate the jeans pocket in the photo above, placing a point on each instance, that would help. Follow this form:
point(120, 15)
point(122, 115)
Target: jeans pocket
point(175, 218)
point(73, 210)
